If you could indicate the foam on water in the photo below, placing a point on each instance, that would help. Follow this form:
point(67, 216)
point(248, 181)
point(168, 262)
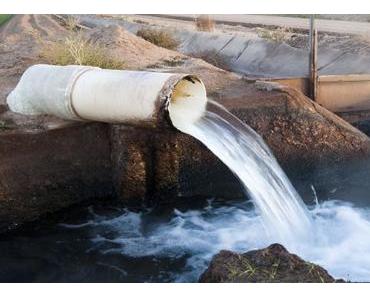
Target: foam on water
point(283, 213)
point(341, 243)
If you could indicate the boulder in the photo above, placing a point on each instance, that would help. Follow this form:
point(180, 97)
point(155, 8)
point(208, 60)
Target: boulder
point(273, 264)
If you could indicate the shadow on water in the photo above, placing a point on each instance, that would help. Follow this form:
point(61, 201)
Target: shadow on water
point(347, 181)
point(66, 248)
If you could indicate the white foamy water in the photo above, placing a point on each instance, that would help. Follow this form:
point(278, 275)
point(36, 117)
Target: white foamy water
point(341, 243)
point(283, 213)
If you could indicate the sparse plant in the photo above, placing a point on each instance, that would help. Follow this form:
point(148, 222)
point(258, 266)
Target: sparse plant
point(274, 270)
point(313, 270)
point(140, 22)
point(248, 268)
point(169, 62)
point(3, 125)
point(71, 23)
point(76, 49)
point(243, 267)
point(276, 35)
point(204, 23)
point(158, 37)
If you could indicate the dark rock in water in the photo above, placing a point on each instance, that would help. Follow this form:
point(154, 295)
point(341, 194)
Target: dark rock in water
point(271, 264)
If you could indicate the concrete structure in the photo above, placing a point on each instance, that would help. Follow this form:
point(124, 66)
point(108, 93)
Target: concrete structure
point(337, 93)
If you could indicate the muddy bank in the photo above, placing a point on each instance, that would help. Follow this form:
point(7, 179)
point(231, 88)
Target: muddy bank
point(268, 265)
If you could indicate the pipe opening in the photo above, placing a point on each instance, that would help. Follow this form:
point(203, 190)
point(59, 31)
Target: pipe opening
point(188, 102)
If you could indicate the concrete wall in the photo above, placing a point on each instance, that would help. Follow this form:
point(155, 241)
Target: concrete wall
point(250, 55)
point(337, 93)
point(344, 93)
point(45, 171)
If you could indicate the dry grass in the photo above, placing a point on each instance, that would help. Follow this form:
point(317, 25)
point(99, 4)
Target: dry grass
point(159, 37)
point(4, 125)
point(77, 50)
point(204, 23)
point(72, 23)
point(277, 35)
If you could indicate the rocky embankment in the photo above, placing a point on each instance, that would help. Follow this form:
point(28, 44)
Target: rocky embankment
point(268, 265)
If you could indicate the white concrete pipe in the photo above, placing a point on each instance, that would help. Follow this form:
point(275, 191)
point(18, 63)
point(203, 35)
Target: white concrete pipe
point(113, 96)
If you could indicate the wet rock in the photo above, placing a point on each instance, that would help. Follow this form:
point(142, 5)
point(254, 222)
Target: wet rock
point(271, 264)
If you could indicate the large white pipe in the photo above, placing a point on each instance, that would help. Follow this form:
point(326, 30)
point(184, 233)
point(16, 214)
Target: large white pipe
point(112, 96)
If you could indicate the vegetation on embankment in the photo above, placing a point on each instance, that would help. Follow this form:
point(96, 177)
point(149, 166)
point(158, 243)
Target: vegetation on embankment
point(159, 38)
point(4, 18)
point(78, 50)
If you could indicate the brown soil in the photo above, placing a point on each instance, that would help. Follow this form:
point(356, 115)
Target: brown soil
point(24, 38)
point(136, 52)
point(21, 41)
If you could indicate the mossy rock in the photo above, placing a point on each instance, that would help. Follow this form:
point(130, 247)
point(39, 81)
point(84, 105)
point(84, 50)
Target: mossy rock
point(271, 264)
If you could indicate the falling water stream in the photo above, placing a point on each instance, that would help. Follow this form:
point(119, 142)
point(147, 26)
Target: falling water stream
point(282, 210)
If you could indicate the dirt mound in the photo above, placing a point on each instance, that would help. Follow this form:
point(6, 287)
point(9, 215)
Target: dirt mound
point(272, 264)
point(25, 36)
point(135, 51)
point(21, 41)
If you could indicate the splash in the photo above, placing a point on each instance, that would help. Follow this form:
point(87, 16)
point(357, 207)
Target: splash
point(341, 243)
point(283, 213)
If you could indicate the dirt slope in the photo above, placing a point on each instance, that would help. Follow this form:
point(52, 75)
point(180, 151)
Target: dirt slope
point(20, 42)
point(24, 37)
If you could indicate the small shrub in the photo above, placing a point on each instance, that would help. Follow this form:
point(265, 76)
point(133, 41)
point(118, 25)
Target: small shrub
point(4, 125)
point(77, 50)
point(72, 23)
point(159, 37)
point(140, 22)
point(278, 35)
point(171, 62)
point(204, 23)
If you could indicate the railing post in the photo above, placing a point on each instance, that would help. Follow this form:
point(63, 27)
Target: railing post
point(313, 59)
